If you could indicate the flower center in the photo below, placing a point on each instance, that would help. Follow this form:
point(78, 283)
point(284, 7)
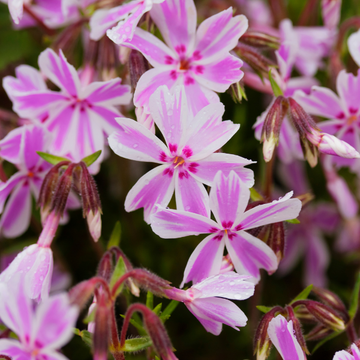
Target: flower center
point(184, 64)
point(178, 161)
point(30, 174)
point(351, 120)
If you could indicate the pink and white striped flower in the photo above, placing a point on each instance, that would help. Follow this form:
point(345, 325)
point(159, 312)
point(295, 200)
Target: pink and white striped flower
point(281, 334)
point(205, 300)
point(41, 331)
point(79, 116)
point(189, 159)
point(345, 355)
point(354, 46)
point(228, 200)
point(126, 17)
point(198, 59)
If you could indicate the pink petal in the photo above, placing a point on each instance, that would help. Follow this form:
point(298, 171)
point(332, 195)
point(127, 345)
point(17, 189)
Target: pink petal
point(300, 83)
point(208, 133)
point(220, 74)
point(354, 46)
point(154, 188)
point(228, 198)
point(228, 285)
point(13, 349)
point(348, 87)
point(59, 71)
point(104, 19)
point(149, 83)
point(170, 113)
point(50, 354)
point(281, 334)
point(331, 13)
point(205, 260)
point(16, 9)
point(219, 34)
point(176, 20)
point(155, 51)
point(10, 146)
point(107, 93)
point(8, 186)
point(249, 254)
point(57, 312)
point(217, 310)
point(135, 142)
point(190, 194)
point(105, 118)
point(16, 216)
point(322, 102)
point(278, 210)
point(343, 355)
point(209, 166)
point(172, 224)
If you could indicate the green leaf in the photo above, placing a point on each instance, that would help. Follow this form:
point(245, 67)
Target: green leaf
point(157, 309)
point(137, 344)
point(89, 160)
point(264, 309)
point(90, 317)
point(354, 300)
point(169, 310)
point(156, 358)
point(255, 196)
point(323, 341)
point(293, 221)
point(150, 300)
point(139, 327)
point(304, 294)
point(274, 85)
point(85, 335)
point(115, 236)
point(52, 159)
point(120, 270)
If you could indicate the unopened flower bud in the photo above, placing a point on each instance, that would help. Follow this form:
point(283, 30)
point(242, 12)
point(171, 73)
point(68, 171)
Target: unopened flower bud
point(262, 343)
point(318, 332)
point(297, 329)
point(310, 151)
point(272, 125)
point(105, 267)
point(138, 65)
point(145, 118)
point(260, 39)
point(155, 329)
point(323, 313)
point(276, 239)
point(237, 92)
point(226, 264)
point(101, 330)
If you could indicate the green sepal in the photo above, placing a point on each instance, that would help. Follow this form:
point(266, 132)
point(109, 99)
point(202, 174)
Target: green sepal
point(157, 309)
point(304, 294)
point(119, 271)
point(293, 221)
point(115, 236)
point(264, 309)
point(138, 326)
point(52, 159)
point(89, 160)
point(255, 196)
point(85, 335)
point(137, 344)
point(90, 317)
point(275, 87)
point(150, 300)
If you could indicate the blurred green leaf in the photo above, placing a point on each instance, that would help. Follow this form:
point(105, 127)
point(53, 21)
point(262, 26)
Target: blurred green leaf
point(137, 344)
point(293, 221)
point(275, 87)
point(150, 300)
point(115, 236)
point(304, 294)
point(169, 310)
point(354, 300)
point(85, 335)
point(157, 309)
point(120, 270)
point(323, 341)
point(89, 160)
point(52, 159)
point(264, 309)
point(90, 317)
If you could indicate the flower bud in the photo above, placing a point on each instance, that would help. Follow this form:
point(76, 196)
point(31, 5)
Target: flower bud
point(276, 239)
point(318, 332)
point(260, 39)
point(297, 329)
point(226, 264)
point(310, 151)
point(105, 267)
point(323, 313)
point(138, 65)
point(237, 92)
point(144, 118)
point(155, 329)
point(101, 330)
point(262, 342)
point(272, 125)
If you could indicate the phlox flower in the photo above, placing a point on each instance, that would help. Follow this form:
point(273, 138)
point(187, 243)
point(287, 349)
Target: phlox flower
point(126, 17)
point(343, 110)
point(281, 334)
point(354, 46)
point(79, 116)
point(19, 147)
point(198, 59)
point(189, 159)
point(41, 330)
point(344, 355)
point(207, 300)
point(228, 200)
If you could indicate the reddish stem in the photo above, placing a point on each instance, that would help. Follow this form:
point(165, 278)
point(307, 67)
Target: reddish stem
point(345, 26)
point(308, 12)
point(41, 24)
point(351, 332)
point(3, 176)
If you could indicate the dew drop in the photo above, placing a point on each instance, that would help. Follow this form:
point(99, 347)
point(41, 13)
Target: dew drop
point(135, 146)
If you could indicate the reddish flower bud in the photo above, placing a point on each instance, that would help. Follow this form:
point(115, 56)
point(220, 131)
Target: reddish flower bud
point(272, 125)
point(155, 329)
point(260, 39)
point(276, 239)
point(105, 267)
point(262, 342)
point(101, 331)
point(318, 333)
point(138, 65)
point(323, 313)
point(297, 329)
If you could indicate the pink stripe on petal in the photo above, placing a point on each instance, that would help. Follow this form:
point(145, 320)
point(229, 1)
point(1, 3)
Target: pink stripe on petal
point(249, 254)
point(281, 334)
point(219, 34)
point(154, 188)
point(135, 142)
point(209, 166)
point(343, 355)
point(176, 20)
point(105, 118)
point(228, 198)
point(278, 210)
point(208, 133)
point(16, 216)
point(205, 260)
point(149, 82)
point(219, 75)
point(356, 352)
point(191, 194)
point(211, 326)
point(10, 146)
point(170, 114)
point(13, 349)
point(348, 87)
point(155, 51)
point(59, 71)
point(171, 224)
